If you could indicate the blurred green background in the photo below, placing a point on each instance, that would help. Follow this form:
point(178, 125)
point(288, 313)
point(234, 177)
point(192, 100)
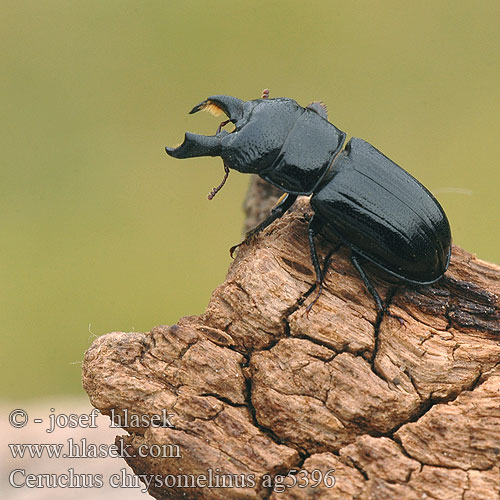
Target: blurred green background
point(102, 231)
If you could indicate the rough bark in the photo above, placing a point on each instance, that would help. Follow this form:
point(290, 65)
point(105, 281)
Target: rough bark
point(403, 407)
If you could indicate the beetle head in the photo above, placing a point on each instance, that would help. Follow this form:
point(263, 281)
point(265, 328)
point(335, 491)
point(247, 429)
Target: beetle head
point(261, 127)
point(290, 146)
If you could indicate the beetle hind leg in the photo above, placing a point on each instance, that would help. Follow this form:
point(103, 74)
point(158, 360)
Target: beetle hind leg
point(369, 286)
point(221, 126)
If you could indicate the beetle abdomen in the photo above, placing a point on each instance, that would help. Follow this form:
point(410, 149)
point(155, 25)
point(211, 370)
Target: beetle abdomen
point(383, 213)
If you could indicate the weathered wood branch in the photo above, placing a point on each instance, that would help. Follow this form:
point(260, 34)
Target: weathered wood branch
point(403, 408)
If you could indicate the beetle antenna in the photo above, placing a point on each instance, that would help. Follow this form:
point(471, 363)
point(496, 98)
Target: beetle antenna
point(215, 190)
point(223, 124)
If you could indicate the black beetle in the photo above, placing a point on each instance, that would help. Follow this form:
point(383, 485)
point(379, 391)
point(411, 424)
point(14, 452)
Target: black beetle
point(377, 209)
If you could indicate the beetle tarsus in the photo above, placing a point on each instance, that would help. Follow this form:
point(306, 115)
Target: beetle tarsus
point(234, 247)
point(248, 236)
point(401, 320)
point(315, 225)
point(368, 284)
point(284, 203)
point(326, 265)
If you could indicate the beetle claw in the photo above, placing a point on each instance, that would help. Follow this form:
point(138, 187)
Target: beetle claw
point(248, 237)
point(401, 320)
point(234, 247)
point(310, 306)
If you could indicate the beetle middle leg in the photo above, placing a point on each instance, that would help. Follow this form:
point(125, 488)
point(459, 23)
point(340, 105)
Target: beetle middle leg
point(373, 292)
point(284, 203)
point(315, 226)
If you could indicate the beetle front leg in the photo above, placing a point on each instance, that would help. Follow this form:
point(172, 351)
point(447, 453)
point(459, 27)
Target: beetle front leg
point(284, 203)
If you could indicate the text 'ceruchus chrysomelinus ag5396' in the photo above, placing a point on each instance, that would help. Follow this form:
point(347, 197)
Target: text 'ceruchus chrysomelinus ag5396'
point(377, 209)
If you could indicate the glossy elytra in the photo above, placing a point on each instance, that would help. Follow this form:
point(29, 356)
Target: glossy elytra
point(377, 209)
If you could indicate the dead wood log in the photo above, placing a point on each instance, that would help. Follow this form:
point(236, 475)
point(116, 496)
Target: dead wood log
point(403, 408)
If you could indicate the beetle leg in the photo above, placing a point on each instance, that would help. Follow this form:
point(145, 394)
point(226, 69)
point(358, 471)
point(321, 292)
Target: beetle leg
point(314, 227)
point(312, 230)
point(320, 108)
point(367, 282)
point(284, 203)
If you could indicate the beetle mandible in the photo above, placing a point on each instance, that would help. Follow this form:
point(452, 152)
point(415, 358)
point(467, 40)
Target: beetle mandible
point(377, 209)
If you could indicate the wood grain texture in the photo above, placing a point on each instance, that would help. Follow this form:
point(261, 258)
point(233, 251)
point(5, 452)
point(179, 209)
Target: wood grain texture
point(406, 407)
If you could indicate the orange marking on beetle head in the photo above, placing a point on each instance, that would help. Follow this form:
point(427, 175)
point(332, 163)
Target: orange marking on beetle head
point(212, 108)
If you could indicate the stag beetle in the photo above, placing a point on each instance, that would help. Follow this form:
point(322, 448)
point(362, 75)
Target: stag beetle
point(377, 209)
